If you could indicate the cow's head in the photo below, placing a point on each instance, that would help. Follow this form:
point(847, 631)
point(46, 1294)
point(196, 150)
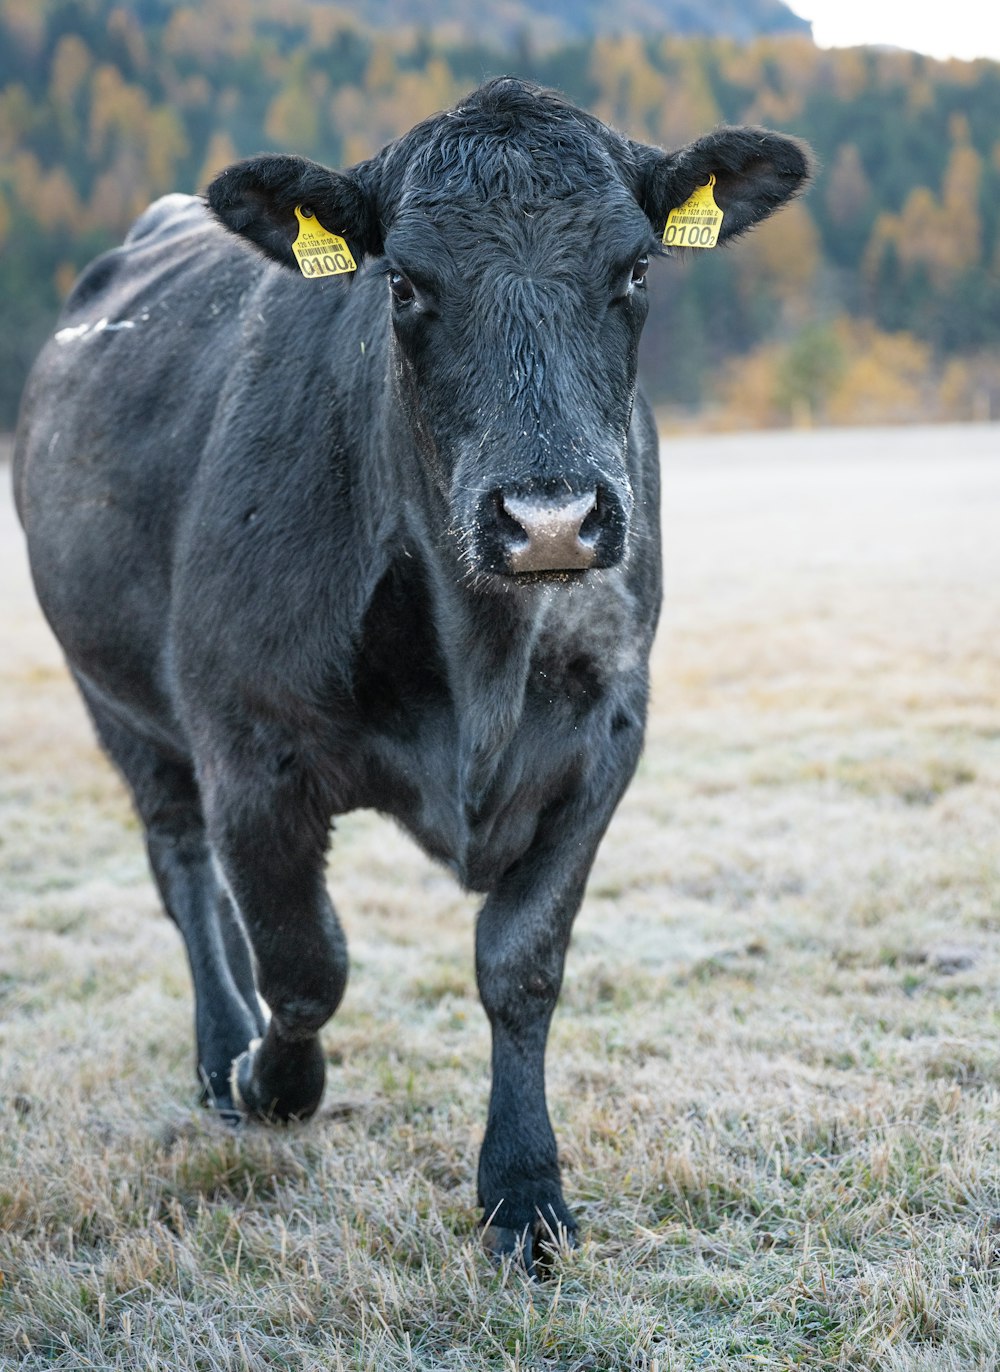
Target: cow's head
point(514, 233)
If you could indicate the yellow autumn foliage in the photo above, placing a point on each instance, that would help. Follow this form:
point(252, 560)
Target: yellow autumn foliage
point(850, 372)
point(219, 154)
point(941, 235)
point(71, 62)
point(885, 377)
point(848, 189)
point(292, 120)
point(785, 259)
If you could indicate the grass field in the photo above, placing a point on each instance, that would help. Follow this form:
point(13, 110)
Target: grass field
point(775, 1070)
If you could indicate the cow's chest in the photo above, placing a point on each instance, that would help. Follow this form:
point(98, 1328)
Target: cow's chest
point(471, 790)
point(477, 815)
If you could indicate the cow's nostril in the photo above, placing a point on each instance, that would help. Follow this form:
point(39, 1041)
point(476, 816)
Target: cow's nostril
point(550, 534)
point(591, 526)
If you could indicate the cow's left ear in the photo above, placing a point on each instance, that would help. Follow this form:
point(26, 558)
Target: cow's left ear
point(256, 199)
point(756, 172)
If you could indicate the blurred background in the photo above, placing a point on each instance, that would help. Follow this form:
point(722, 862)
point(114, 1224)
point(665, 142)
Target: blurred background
point(876, 299)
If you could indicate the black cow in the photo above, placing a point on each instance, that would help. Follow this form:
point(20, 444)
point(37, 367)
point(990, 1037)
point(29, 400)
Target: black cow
point(386, 538)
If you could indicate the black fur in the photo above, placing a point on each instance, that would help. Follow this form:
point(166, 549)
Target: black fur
point(266, 522)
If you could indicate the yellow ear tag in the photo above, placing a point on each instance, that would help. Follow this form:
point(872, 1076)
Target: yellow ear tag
point(696, 223)
point(319, 252)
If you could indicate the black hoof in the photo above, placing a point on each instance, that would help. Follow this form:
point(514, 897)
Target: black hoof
point(534, 1247)
point(301, 1087)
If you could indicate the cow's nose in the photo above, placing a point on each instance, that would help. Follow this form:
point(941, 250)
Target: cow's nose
point(549, 534)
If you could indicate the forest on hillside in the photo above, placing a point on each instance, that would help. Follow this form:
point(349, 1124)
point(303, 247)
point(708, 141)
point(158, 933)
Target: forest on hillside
point(875, 297)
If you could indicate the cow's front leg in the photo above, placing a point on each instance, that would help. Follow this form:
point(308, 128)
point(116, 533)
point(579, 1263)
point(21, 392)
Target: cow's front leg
point(521, 941)
point(520, 951)
point(270, 842)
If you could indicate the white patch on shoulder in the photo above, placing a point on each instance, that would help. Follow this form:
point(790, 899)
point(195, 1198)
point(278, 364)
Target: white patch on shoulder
point(71, 334)
point(68, 335)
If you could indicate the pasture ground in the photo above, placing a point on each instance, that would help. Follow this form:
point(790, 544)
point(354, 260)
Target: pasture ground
point(775, 1070)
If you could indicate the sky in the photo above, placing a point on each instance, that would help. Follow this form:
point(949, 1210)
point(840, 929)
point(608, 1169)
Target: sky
point(959, 28)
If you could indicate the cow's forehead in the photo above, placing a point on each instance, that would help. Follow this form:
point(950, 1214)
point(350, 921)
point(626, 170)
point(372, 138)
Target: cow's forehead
point(513, 176)
point(441, 230)
point(508, 140)
point(527, 164)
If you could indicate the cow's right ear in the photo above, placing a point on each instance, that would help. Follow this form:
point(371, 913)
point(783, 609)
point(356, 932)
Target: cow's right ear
point(256, 199)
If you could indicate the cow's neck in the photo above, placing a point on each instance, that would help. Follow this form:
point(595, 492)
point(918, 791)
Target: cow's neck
point(486, 639)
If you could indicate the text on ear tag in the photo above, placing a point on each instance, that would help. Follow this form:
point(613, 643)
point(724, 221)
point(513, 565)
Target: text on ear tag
point(696, 223)
point(319, 252)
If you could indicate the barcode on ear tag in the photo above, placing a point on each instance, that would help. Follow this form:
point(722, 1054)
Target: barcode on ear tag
point(318, 251)
point(697, 222)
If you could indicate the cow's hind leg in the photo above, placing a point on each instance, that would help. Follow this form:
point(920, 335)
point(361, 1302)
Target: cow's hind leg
point(227, 1012)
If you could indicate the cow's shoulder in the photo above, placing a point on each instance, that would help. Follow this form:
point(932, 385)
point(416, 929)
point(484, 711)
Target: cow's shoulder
point(167, 217)
point(174, 229)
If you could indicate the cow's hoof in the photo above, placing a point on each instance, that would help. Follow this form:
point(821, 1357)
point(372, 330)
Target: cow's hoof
point(258, 1095)
point(533, 1247)
point(224, 1109)
point(241, 1086)
point(219, 1102)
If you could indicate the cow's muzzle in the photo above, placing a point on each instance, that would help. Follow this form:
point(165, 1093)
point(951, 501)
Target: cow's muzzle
point(534, 532)
point(549, 533)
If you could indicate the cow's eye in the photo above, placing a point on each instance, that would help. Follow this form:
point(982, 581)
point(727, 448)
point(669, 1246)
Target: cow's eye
point(402, 288)
point(639, 270)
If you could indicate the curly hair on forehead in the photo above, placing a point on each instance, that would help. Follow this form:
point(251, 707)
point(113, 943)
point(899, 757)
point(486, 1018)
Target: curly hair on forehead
point(513, 139)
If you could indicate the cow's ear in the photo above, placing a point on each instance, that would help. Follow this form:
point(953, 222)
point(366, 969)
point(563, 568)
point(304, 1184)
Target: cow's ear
point(756, 172)
point(256, 199)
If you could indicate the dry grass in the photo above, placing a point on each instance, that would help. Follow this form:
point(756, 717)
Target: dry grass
point(775, 1070)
